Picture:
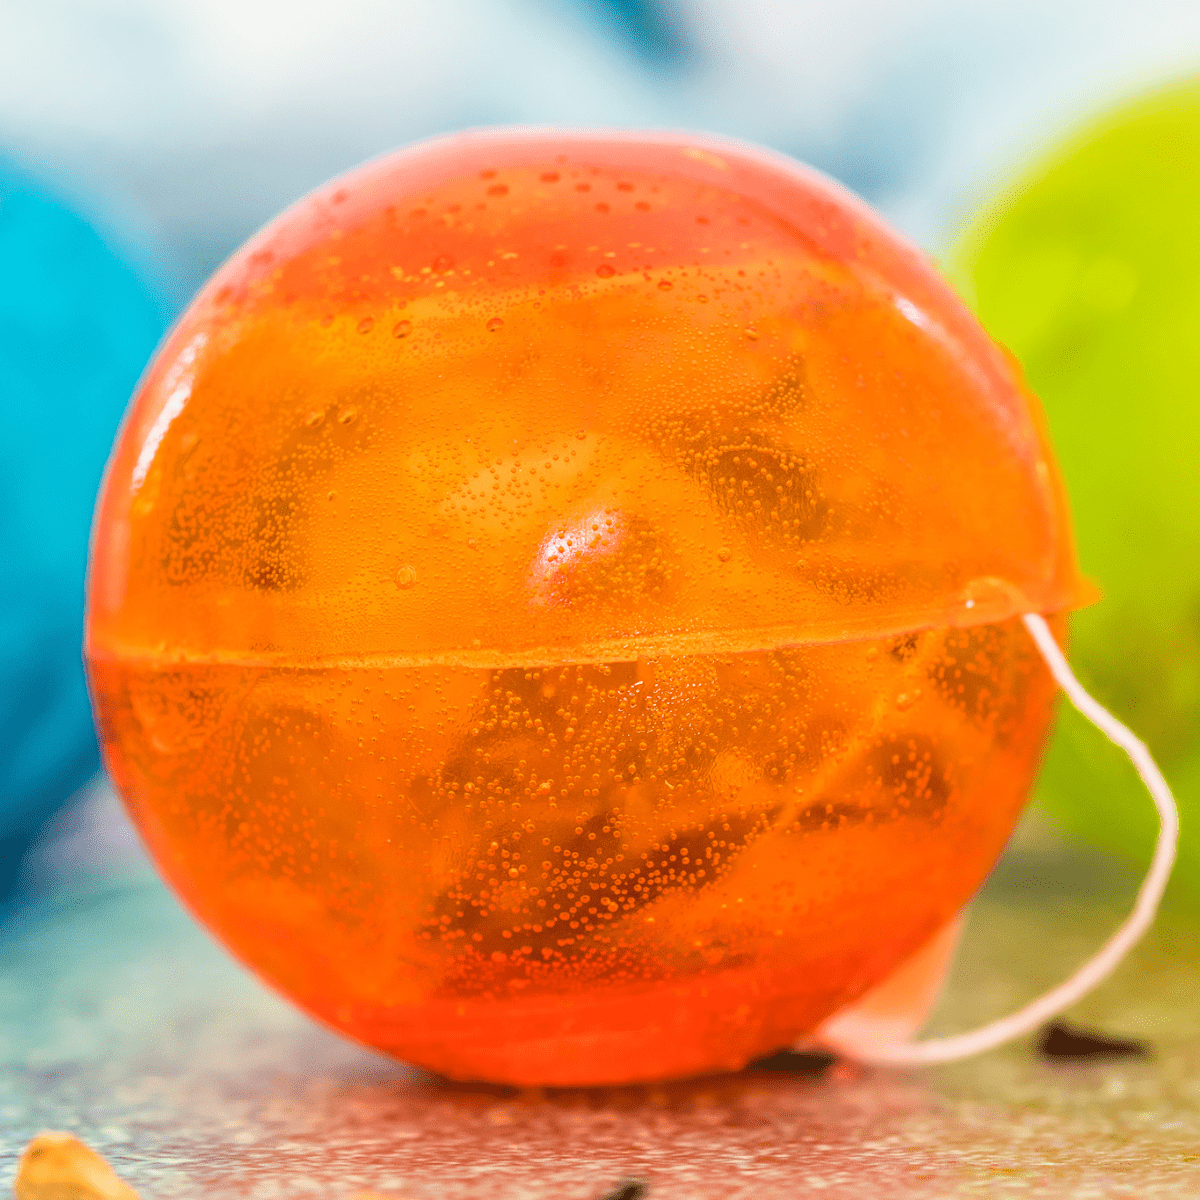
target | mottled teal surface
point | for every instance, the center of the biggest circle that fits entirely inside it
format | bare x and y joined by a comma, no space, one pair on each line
125,1025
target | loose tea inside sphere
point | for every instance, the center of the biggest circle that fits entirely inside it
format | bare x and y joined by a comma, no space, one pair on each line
555,604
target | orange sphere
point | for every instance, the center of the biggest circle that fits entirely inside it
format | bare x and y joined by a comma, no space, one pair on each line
553,604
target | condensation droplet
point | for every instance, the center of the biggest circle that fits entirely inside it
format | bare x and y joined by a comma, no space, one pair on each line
550,177
751,333
665,285
494,324
366,325
402,329
605,271
347,415
724,554
406,577
314,419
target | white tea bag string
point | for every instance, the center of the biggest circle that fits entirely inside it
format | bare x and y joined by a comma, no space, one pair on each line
1095,970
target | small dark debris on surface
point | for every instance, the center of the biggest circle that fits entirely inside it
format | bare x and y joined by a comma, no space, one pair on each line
627,1189
794,1062
1063,1041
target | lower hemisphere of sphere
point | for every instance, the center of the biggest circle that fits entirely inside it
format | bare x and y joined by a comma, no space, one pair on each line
538,874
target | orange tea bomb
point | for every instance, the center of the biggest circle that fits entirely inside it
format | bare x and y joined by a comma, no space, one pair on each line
555,604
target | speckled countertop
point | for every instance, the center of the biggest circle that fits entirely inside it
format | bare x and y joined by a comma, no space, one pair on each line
124,1024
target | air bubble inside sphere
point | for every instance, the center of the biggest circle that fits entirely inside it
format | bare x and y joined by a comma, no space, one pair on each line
1088,268
554,608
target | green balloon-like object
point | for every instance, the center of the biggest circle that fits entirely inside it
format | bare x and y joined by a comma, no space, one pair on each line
1088,270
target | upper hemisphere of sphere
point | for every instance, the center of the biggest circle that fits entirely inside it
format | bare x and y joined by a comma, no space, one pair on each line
788,426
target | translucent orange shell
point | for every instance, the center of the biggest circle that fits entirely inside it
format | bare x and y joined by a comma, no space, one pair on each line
552,604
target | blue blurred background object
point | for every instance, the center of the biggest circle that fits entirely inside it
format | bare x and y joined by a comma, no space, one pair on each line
77,324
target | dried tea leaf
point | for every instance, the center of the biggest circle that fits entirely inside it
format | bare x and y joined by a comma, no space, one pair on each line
1062,1040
